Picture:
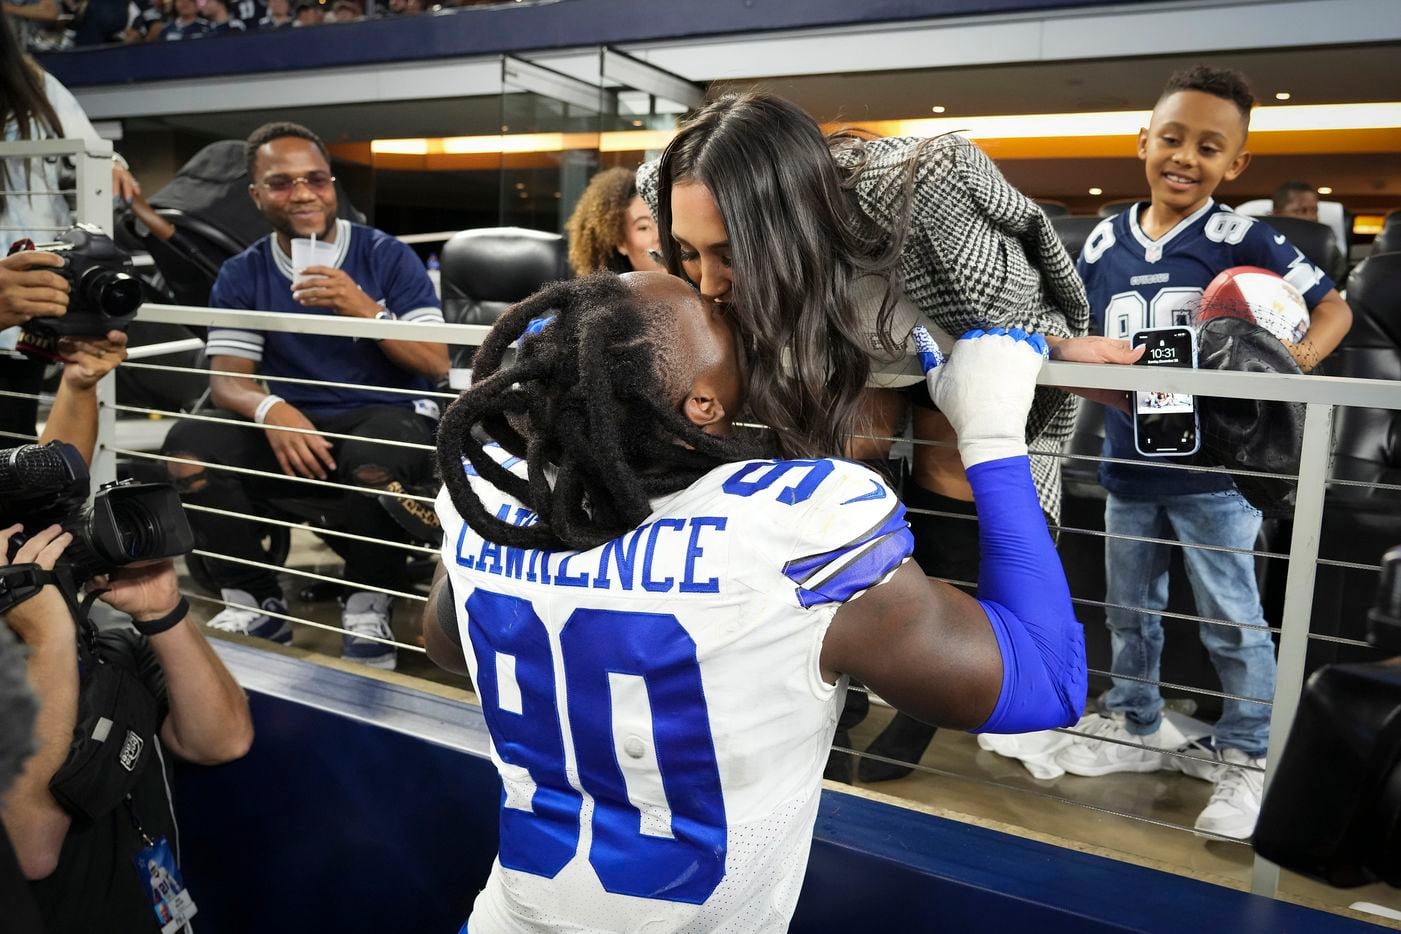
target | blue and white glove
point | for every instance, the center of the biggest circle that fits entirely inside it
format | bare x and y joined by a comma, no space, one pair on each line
984,388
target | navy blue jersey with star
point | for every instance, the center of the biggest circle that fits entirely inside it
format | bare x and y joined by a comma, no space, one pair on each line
1135,282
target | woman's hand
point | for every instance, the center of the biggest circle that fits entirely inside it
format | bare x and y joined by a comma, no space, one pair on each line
1091,349
124,184
1094,349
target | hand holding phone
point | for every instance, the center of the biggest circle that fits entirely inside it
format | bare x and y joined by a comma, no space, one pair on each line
1166,422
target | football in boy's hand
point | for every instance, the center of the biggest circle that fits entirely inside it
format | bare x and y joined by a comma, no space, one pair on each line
1260,296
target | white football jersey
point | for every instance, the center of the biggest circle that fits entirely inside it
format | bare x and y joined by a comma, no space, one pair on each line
656,706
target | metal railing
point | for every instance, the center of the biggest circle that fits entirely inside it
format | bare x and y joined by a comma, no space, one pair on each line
1320,395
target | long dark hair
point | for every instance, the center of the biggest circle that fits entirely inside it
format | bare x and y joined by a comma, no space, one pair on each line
22,97
585,404
798,240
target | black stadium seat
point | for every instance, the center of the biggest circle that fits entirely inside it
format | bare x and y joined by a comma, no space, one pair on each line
1052,208
1360,523
1389,240
1316,241
487,270
1110,208
1073,230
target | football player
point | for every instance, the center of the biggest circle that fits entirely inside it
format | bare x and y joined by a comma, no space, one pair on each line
660,624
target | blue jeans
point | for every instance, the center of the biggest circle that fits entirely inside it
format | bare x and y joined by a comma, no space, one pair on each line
1223,584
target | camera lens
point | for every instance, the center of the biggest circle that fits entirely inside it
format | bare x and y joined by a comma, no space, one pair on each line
114,294
139,534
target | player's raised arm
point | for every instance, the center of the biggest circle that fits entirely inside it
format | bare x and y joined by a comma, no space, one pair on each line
1012,660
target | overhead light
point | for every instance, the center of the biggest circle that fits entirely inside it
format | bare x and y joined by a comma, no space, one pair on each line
1096,191
1282,95
1124,124
514,142
938,108
634,140
1383,116
1324,190
400,147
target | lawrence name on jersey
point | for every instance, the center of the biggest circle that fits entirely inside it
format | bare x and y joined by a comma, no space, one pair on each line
656,705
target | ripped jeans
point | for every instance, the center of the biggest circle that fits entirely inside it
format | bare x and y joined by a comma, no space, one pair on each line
359,463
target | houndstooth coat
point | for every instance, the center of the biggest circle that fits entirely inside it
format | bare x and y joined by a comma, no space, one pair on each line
978,254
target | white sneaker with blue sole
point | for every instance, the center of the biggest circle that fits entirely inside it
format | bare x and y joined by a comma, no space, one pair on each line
366,621
244,620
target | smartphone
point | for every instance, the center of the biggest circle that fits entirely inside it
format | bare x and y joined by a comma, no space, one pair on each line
1166,422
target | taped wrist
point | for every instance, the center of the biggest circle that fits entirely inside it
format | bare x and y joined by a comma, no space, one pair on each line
1022,588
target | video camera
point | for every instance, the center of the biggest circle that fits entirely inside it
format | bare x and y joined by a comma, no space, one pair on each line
103,293
126,523
1333,808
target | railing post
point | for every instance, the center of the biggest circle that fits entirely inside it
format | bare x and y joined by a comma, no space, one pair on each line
94,183
1298,603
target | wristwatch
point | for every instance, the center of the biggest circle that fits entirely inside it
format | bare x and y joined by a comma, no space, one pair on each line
384,314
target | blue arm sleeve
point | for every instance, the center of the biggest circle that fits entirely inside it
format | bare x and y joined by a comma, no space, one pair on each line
1022,588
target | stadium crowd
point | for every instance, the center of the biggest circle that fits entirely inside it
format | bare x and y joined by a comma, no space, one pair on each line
57,25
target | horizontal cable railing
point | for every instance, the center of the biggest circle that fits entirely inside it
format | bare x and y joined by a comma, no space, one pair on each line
1319,394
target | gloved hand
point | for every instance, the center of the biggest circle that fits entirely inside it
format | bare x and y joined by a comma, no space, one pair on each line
984,388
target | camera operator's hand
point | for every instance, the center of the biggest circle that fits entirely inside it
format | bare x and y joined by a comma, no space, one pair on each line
298,454
144,593
87,360
30,289
33,620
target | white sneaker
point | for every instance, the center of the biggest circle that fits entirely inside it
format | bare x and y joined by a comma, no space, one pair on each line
249,622
368,614
1235,804
1087,755
1206,765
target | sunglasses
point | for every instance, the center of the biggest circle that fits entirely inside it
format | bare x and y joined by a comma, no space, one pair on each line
283,184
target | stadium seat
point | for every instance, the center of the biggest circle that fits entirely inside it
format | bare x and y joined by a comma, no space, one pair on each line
1316,241
1329,212
1389,240
1073,230
1360,523
485,271
1052,208
1110,208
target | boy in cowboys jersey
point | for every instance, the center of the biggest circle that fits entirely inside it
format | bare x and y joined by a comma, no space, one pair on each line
660,624
1146,268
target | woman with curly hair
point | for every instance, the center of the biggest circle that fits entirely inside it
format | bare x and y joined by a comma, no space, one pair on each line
611,227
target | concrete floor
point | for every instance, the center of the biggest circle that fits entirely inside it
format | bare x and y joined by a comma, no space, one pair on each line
1138,818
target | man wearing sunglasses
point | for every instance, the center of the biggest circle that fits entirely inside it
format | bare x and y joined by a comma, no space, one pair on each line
366,274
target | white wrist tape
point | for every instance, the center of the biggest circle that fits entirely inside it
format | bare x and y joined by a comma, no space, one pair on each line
985,389
265,406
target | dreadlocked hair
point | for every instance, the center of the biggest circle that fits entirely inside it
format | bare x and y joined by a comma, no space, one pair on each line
585,406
